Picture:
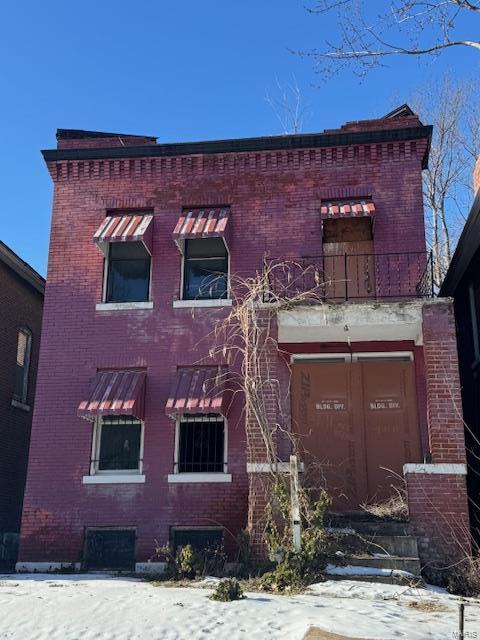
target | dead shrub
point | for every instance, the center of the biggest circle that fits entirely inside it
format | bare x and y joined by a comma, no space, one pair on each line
464,579
395,507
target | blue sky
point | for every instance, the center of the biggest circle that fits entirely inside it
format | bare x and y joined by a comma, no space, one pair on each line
185,70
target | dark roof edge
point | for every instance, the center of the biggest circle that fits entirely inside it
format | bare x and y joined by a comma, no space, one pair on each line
22,268
77,134
266,143
467,246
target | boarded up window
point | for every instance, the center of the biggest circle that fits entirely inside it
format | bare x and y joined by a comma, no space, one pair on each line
347,230
110,549
199,539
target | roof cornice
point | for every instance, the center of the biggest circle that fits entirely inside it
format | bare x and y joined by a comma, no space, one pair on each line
266,143
21,268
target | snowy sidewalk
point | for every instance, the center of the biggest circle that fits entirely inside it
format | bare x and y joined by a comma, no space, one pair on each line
88,607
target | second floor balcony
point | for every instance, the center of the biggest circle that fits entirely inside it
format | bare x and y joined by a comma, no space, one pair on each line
352,277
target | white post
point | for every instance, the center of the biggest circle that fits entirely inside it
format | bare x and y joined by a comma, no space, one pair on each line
297,540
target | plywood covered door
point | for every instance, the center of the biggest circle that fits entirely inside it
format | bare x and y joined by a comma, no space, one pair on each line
392,436
325,401
351,420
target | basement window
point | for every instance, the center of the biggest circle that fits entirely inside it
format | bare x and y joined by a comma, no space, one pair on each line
127,272
201,444
198,538
109,549
118,443
205,269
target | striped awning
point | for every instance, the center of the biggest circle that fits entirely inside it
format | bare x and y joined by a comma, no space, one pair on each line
204,223
128,228
199,390
115,393
347,209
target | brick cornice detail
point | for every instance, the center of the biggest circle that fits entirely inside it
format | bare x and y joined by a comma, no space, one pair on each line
240,163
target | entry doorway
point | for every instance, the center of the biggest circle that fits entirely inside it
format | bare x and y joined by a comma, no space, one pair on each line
356,422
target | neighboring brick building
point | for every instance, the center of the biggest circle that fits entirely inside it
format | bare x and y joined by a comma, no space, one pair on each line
462,282
21,303
146,242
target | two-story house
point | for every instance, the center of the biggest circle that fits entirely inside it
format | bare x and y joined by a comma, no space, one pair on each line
136,437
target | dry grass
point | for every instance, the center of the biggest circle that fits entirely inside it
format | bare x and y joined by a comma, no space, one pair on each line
395,507
427,606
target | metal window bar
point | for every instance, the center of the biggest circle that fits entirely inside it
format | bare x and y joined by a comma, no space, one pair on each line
124,461
201,444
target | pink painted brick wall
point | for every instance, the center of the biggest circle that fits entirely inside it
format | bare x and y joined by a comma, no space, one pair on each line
275,200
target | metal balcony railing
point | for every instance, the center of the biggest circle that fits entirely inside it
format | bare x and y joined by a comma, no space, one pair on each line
341,277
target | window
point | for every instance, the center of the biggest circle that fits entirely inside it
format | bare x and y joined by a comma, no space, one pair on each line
109,549
205,275
24,344
128,272
117,445
201,444
200,539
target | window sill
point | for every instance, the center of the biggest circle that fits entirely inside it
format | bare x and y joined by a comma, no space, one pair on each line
187,304
20,405
113,479
180,478
123,306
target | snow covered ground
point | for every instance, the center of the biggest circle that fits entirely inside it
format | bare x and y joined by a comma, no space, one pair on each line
87,607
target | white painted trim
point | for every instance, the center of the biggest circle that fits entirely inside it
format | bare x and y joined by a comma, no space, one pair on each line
353,357
442,468
217,302
267,467
45,567
123,306
378,355
150,567
295,357
20,405
198,478
114,479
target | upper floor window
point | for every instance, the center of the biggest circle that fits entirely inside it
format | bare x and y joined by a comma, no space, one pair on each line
205,274
24,345
128,272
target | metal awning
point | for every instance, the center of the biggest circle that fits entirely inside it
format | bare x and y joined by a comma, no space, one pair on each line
128,228
199,390
115,393
347,209
204,223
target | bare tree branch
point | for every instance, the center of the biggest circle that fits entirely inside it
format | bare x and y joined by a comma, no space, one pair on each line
427,28
451,107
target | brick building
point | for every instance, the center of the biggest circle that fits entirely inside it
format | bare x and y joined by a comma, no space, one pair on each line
21,303
462,282
136,437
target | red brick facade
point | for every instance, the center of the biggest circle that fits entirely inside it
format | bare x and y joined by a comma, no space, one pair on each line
20,307
274,195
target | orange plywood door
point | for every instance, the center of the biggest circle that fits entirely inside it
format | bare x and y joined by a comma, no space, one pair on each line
392,434
327,418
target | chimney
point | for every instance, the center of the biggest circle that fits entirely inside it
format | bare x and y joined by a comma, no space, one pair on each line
476,177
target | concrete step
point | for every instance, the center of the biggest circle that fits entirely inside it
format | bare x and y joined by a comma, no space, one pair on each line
404,546
395,579
409,564
366,524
